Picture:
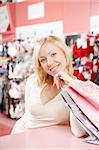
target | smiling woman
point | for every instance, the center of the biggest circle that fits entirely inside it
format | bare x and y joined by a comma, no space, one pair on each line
51,55
43,103
52,59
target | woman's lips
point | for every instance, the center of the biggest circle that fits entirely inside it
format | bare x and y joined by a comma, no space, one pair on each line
54,69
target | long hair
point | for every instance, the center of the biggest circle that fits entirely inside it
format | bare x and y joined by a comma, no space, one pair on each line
42,76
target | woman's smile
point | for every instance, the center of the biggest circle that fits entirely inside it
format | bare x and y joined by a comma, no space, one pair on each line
55,69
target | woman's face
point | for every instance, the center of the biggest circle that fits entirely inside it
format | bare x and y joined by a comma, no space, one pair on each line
52,59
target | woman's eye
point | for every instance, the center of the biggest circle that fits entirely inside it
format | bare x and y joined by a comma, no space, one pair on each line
43,60
53,54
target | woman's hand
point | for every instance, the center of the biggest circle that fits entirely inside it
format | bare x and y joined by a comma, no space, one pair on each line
62,78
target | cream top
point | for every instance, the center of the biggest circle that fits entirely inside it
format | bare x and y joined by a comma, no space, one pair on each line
38,114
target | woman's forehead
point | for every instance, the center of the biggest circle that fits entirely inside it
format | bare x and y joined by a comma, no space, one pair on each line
48,47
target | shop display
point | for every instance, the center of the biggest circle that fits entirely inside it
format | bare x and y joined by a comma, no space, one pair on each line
86,58
18,67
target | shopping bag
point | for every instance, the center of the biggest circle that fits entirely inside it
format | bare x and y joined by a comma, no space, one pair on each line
83,119
86,96
88,90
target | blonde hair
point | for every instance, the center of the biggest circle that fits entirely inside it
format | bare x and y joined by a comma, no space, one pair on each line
40,74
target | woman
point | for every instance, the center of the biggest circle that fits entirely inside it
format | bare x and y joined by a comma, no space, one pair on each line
43,103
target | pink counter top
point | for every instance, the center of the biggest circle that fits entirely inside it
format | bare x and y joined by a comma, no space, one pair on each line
49,138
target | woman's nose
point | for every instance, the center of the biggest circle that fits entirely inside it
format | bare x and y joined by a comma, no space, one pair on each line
49,61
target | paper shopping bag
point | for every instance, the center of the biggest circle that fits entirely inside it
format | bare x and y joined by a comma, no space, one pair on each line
85,94
83,119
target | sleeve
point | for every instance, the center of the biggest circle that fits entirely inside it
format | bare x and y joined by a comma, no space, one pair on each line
30,86
25,122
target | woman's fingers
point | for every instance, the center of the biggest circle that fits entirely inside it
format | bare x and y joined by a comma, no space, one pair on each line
56,81
61,79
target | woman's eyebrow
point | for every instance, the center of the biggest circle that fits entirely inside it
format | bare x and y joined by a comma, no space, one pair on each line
51,51
41,57
48,53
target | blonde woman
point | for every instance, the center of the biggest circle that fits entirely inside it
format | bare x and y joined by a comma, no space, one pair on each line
43,103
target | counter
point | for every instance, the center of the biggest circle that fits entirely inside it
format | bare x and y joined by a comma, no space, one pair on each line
49,138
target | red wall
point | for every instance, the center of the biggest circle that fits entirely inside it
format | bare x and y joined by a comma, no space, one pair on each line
74,13
53,12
